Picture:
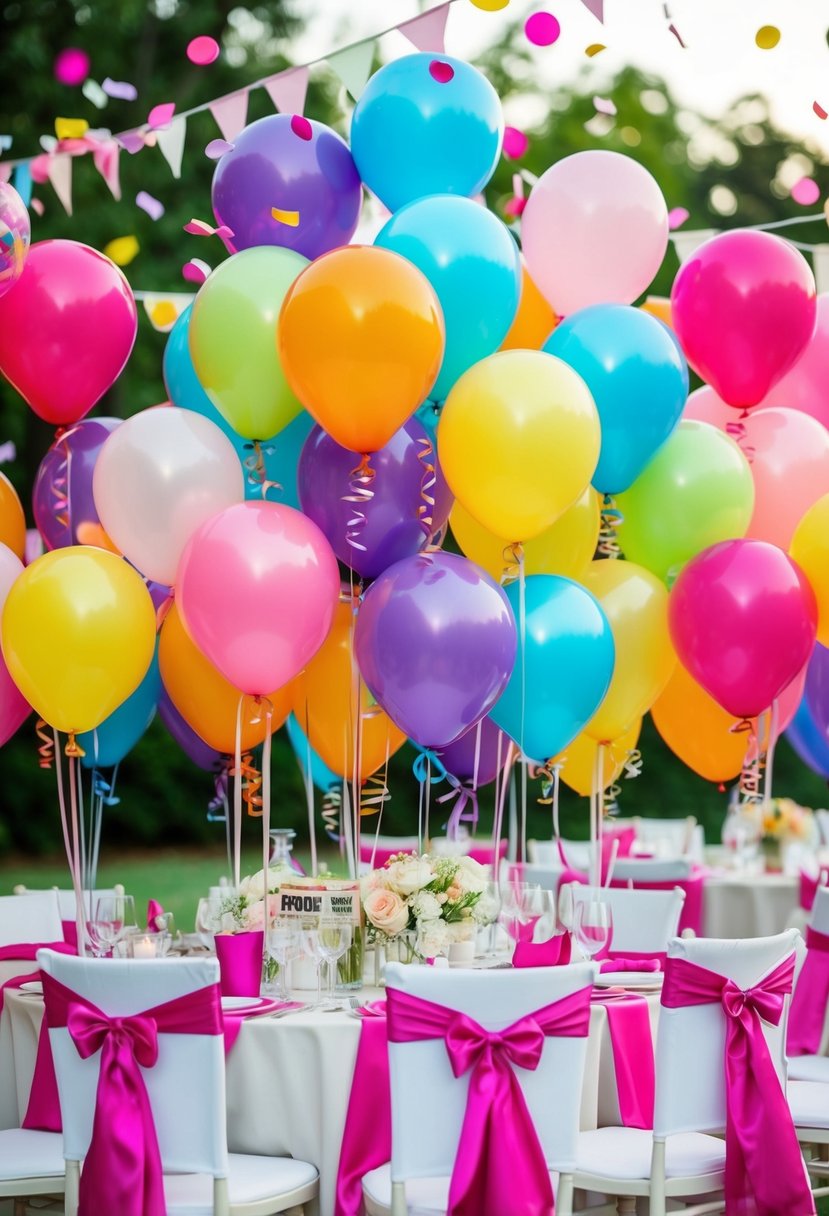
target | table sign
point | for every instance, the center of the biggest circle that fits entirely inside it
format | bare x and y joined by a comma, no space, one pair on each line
321,902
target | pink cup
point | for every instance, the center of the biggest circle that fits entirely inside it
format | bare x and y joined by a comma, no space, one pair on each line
240,962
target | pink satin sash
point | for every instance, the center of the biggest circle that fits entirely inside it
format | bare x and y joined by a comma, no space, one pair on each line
764,1171
499,1153
811,995
809,886
631,961
366,1142
122,1171
26,951
631,1041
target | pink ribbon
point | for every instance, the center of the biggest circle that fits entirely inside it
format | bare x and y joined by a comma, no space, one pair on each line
26,951
764,1171
631,961
809,886
631,1041
808,1009
366,1142
122,1171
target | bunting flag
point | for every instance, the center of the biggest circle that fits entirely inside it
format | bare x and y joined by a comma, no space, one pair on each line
171,143
231,114
107,161
164,308
596,7
6,173
288,90
353,66
428,31
60,175
688,242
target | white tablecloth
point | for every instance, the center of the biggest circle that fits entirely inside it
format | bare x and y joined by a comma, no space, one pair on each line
748,905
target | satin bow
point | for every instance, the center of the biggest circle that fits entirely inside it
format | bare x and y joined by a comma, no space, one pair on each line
811,996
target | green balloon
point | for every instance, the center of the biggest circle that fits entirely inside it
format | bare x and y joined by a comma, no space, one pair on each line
233,339
696,491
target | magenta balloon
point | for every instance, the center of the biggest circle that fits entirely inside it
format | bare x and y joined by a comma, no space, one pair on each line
387,526
806,386
296,165
743,620
743,307
14,708
62,497
459,757
15,234
435,642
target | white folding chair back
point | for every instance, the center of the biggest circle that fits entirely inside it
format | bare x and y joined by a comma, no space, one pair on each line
822,818
670,837
578,853
652,869
35,919
544,876
643,921
66,900
819,916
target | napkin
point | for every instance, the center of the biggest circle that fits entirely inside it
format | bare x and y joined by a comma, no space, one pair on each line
555,952
631,964
154,910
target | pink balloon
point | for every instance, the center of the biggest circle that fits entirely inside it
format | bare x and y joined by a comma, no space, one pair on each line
743,308
789,700
743,619
594,231
789,457
805,386
704,405
14,708
256,587
67,329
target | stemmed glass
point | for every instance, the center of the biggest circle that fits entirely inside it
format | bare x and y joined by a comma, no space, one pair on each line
522,906
310,946
333,941
593,925
114,919
283,945
208,921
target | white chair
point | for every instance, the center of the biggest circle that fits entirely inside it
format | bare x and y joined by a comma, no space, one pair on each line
822,817
36,919
652,869
428,1103
186,1089
66,899
669,837
578,853
680,1157
643,921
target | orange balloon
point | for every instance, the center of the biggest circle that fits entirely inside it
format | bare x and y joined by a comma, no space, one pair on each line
12,519
659,307
579,759
360,339
323,701
534,321
205,699
697,729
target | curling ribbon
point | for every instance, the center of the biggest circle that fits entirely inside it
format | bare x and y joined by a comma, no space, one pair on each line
255,467
332,801
426,509
750,775
549,774
60,482
466,797
737,431
374,793
73,749
513,557
102,789
46,748
218,803
612,519
251,780
360,494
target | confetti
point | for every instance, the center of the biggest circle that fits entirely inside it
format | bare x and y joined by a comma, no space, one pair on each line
217,148
289,218
200,228
203,50
515,206
122,90
806,192
515,143
767,37
604,105
677,217
440,71
93,92
163,314
490,6
152,206
131,141
71,66
595,48
162,115
542,29
37,206
48,143
673,30
195,271
301,127
71,128
122,250
819,110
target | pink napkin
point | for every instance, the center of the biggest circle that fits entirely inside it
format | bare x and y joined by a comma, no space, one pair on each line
555,952
632,964
154,909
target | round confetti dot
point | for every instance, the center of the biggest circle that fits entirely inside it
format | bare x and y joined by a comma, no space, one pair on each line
301,127
440,71
819,110
203,50
515,143
767,37
806,192
71,66
490,6
595,48
542,29
676,217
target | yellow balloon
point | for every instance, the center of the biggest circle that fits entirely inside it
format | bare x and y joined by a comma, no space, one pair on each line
564,548
635,603
518,441
810,549
580,759
78,635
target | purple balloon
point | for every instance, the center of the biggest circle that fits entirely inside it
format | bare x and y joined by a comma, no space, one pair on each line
187,739
816,689
391,528
62,500
459,757
294,164
435,642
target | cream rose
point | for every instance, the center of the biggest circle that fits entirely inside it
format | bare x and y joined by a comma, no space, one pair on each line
408,875
471,875
386,911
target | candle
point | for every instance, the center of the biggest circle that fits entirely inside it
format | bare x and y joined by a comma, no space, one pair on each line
143,948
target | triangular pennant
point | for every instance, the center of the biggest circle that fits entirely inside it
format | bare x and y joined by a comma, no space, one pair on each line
288,90
687,243
353,66
23,183
596,7
107,158
428,31
60,175
171,143
6,172
231,113
164,310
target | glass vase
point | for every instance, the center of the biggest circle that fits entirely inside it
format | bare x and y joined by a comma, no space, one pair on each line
350,966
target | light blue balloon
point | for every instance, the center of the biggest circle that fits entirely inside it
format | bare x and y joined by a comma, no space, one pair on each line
321,775
568,655
281,454
472,262
118,734
426,124
638,378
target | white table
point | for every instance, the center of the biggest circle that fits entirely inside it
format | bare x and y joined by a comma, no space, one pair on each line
737,904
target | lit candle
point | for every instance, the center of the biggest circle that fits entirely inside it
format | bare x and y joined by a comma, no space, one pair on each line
144,948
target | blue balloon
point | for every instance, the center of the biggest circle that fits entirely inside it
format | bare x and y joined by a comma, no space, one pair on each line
472,261
118,734
568,653
426,124
808,740
638,378
321,774
281,454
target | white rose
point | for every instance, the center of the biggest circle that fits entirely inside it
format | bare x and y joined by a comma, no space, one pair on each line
485,911
425,906
461,930
409,875
471,875
432,938
386,911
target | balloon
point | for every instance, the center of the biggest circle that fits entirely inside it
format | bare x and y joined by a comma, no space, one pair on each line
232,340
534,321
659,307
12,519
810,549
78,634
321,775
594,231
816,692
298,167
518,441
67,332
563,667
324,704
205,699
193,747
804,386
696,491
15,234
118,734
579,760
426,124
435,643
636,605
471,259
64,508
257,586
743,619
637,377
280,455
808,741
744,309
566,547
371,535
790,465
14,708
704,405
474,757
158,477
360,337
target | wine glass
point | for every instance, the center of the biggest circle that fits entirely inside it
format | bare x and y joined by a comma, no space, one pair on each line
310,946
522,906
208,921
283,944
593,925
114,918
333,941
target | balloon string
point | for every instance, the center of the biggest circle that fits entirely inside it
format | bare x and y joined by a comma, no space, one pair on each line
426,509
59,487
73,749
751,773
163,609
631,766
436,542
255,467
359,495
332,805
237,798
549,775
612,519
513,558
465,809
374,792
498,826
771,742
266,820
738,432
46,748
217,807
309,793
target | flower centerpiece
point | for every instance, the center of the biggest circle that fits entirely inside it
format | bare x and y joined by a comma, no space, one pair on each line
243,911
786,823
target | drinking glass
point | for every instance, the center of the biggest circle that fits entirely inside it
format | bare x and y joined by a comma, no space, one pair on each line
310,946
593,924
208,921
333,941
283,945
522,906
114,918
